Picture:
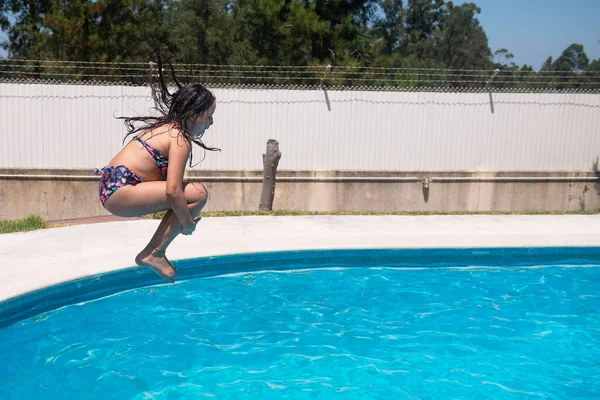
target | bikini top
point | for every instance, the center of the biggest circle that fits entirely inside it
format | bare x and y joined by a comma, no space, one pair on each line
161,161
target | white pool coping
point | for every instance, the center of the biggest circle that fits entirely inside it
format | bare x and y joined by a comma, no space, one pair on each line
34,260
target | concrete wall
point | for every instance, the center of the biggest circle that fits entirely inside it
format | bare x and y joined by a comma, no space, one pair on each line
58,195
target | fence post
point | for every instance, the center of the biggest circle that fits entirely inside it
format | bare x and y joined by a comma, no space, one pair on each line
270,162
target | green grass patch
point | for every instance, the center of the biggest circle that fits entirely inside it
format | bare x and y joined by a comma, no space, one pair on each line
279,213
31,223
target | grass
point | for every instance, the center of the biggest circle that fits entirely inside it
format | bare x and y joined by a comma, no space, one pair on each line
301,213
30,223
34,222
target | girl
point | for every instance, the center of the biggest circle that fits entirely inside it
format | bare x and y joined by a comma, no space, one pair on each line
136,182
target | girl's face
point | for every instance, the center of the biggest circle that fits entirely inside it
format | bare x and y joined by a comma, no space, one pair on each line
202,122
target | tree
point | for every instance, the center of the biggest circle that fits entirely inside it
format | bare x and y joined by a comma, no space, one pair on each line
401,36
502,55
547,66
71,30
463,43
347,31
27,33
422,27
389,27
594,66
4,22
573,59
572,63
201,31
132,30
276,33
422,17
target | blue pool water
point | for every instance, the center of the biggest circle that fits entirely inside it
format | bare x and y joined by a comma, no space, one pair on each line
354,333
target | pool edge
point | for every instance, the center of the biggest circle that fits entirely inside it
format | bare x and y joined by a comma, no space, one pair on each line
94,286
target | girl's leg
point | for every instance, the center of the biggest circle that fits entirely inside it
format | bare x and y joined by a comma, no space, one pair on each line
149,197
170,226
167,231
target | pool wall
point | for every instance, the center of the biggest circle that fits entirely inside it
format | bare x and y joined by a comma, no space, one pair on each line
99,285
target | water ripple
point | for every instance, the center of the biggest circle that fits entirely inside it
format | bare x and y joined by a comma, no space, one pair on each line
332,334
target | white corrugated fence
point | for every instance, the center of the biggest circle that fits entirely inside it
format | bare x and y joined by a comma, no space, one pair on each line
73,126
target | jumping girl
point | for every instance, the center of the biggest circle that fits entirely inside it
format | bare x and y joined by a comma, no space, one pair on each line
135,182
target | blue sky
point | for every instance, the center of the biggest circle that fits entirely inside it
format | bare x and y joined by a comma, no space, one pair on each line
533,30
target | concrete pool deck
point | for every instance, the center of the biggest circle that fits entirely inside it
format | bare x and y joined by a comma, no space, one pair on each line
33,260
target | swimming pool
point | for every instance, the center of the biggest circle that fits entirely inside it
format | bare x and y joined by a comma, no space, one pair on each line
343,324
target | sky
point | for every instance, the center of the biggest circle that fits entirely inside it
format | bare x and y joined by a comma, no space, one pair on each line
533,30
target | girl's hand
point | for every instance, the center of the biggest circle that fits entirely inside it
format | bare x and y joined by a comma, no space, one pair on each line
189,229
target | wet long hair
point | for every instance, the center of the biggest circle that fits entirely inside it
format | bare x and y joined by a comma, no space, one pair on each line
176,109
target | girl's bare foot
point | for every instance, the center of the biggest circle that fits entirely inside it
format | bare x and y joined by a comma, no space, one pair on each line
155,259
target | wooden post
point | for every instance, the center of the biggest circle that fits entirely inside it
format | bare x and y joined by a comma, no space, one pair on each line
270,162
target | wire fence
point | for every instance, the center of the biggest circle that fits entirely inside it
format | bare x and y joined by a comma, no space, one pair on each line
300,77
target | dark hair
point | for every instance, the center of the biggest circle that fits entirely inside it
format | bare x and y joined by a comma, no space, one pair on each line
188,101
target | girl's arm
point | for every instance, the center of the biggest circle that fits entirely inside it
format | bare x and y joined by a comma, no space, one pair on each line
179,151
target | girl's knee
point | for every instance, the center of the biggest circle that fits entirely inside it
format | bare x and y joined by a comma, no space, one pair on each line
196,193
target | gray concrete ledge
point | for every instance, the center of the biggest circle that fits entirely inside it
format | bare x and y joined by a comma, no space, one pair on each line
70,194
34,260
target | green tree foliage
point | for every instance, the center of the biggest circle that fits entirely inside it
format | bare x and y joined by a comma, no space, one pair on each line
422,18
594,66
395,36
547,66
4,22
200,31
388,26
463,43
573,59
273,32
28,32
572,69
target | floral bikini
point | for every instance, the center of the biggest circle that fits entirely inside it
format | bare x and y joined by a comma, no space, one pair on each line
113,178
